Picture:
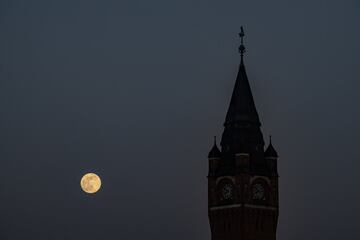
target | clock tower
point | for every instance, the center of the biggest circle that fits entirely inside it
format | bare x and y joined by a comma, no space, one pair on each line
243,195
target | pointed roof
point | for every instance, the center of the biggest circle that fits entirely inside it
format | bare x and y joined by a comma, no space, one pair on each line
242,107
214,152
270,151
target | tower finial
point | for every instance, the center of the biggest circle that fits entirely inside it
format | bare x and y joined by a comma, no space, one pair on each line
270,138
242,47
214,140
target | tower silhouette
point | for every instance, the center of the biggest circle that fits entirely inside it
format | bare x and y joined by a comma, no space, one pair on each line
243,202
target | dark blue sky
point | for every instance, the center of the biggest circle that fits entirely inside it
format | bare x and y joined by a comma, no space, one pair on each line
135,90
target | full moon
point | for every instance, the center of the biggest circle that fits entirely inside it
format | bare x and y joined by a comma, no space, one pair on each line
90,183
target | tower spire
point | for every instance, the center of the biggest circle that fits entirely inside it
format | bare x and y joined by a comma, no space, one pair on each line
242,47
242,107
242,115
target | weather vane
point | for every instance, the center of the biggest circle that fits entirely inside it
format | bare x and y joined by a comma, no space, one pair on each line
242,47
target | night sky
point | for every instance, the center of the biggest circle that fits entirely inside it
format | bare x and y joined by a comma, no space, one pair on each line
135,90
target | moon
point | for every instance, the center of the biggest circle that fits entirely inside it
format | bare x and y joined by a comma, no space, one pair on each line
90,183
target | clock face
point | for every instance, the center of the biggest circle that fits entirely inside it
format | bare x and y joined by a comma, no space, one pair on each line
227,191
258,192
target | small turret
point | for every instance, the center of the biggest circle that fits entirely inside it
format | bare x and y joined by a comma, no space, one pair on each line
214,159
214,152
270,151
271,157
